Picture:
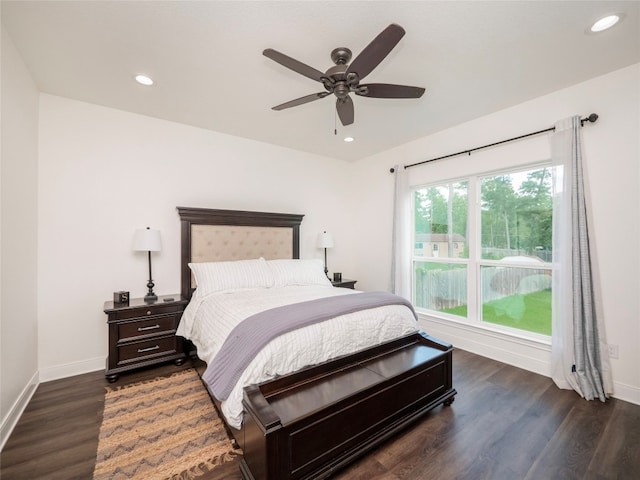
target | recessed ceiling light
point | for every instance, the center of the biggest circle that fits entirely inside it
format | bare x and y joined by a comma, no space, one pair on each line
605,22
144,80
349,139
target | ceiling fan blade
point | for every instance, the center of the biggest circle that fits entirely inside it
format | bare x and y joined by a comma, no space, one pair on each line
301,100
376,51
345,110
387,90
294,65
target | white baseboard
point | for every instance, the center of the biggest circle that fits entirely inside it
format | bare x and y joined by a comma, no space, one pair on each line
70,369
627,393
523,353
17,409
518,352
44,375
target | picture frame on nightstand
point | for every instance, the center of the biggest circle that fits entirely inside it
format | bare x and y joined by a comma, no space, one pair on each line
121,298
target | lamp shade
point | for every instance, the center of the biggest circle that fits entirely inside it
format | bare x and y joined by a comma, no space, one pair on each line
325,240
147,240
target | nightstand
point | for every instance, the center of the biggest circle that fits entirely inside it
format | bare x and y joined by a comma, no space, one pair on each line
344,283
143,334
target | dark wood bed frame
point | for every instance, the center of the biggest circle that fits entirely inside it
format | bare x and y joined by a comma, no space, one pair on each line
310,423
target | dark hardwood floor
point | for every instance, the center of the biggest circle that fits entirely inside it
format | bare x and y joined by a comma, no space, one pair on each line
505,423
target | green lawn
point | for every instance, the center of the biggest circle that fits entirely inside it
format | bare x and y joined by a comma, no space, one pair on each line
531,312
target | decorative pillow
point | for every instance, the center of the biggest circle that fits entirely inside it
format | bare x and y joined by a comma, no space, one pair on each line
298,272
212,277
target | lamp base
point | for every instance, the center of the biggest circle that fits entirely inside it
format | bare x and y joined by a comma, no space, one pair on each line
326,270
150,298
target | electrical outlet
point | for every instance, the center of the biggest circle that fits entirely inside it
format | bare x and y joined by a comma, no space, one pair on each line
613,350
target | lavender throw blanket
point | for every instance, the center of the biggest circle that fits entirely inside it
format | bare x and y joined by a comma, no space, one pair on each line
249,336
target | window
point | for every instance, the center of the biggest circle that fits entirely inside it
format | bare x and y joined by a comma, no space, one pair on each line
440,220
490,259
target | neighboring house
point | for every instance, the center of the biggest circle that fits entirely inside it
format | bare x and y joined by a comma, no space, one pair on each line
437,245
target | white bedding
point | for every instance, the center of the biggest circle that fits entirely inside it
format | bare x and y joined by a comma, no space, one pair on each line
208,319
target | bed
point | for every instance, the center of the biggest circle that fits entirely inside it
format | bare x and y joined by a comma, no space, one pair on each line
299,415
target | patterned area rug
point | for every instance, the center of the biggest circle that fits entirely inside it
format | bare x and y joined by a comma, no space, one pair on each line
165,428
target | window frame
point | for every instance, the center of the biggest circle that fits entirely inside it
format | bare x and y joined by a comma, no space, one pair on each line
474,262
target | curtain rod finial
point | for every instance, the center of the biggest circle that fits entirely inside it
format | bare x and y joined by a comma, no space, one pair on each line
391,170
591,119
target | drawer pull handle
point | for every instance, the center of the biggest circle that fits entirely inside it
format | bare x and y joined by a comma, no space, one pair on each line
148,312
152,327
142,350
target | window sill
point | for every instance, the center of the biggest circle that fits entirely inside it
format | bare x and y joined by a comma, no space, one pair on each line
533,340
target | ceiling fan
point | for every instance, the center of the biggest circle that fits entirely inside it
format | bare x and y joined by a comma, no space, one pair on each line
345,77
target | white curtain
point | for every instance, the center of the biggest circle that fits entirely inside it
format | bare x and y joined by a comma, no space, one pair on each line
578,345
401,241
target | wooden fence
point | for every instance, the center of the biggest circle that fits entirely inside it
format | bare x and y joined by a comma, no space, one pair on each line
447,288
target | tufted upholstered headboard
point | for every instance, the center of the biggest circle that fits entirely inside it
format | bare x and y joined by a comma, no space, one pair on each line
209,235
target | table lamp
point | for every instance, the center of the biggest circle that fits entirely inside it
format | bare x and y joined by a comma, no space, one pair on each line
325,240
147,240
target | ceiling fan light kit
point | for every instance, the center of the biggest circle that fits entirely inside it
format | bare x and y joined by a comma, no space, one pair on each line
344,78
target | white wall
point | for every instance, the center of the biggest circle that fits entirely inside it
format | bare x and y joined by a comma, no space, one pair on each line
18,284
104,172
612,154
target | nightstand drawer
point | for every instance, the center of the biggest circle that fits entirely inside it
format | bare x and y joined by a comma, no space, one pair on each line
139,351
146,311
146,327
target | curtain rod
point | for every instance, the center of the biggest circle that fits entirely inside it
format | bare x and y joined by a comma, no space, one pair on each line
591,118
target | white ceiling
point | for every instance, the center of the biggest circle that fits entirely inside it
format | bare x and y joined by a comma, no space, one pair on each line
473,58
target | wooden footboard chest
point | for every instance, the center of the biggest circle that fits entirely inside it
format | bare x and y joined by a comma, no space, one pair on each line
308,424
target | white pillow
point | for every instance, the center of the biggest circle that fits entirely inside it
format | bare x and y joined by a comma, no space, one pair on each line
212,277
298,272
